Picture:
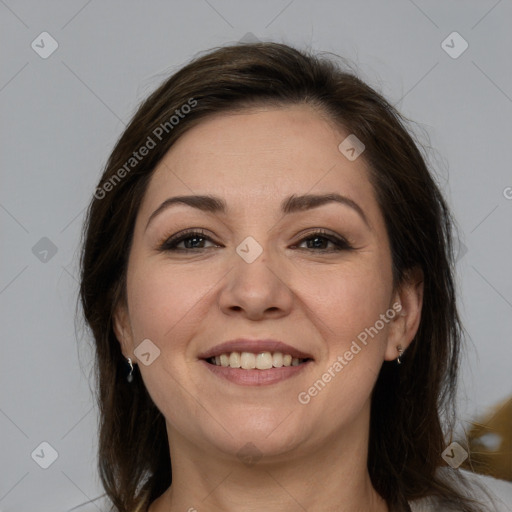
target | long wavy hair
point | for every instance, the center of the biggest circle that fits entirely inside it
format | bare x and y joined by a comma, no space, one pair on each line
410,427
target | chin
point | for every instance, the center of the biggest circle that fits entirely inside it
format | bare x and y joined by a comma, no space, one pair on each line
255,439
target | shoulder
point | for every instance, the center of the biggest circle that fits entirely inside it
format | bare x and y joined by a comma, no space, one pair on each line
500,491
495,495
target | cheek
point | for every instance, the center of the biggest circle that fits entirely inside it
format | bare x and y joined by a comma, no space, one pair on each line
345,301
346,308
162,302
165,305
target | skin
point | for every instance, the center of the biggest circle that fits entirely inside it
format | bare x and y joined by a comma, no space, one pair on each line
313,456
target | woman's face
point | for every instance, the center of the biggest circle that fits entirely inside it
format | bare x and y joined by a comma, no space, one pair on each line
260,270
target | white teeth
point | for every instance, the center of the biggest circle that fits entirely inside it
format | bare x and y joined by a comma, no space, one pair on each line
277,360
264,361
260,361
234,360
247,361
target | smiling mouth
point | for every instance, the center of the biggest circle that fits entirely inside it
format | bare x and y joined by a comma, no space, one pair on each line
255,361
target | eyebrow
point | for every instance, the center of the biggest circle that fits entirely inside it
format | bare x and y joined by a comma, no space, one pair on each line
292,204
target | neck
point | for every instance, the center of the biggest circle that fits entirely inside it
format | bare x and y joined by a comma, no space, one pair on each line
332,477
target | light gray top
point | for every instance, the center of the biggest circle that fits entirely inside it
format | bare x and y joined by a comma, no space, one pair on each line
495,495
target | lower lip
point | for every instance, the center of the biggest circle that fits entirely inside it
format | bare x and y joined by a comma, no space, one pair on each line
256,377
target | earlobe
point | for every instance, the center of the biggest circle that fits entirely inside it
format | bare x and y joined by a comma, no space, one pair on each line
405,325
121,326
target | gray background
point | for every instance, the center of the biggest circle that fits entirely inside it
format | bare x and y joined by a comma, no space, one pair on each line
61,116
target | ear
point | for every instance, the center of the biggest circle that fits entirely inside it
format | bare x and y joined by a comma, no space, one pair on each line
404,325
122,329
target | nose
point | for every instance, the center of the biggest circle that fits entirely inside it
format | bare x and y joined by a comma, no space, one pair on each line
258,289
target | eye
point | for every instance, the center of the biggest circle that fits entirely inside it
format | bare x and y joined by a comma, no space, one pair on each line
317,241
193,239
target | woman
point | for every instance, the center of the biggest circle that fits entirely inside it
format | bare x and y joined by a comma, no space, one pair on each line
267,271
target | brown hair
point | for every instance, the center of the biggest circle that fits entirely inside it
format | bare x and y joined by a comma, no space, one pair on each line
406,431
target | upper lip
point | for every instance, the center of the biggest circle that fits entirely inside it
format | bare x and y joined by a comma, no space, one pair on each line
254,346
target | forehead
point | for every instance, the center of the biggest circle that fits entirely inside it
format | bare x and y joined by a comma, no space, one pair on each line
260,155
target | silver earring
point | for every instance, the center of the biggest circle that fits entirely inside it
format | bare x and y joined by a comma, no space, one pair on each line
400,352
130,375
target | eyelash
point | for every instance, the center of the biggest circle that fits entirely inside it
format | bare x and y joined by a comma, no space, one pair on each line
170,244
